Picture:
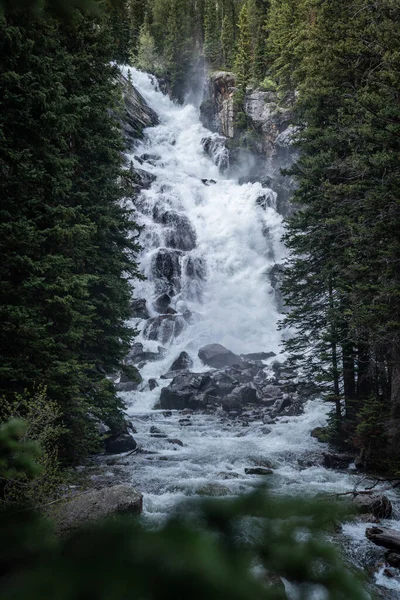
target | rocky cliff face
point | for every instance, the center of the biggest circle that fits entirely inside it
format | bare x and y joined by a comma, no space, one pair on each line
136,114
261,149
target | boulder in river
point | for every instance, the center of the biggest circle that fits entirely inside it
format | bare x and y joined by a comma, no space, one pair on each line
164,328
246,394
182,363
258,471
139,309
166,270
216,355
375,504
98,504
122,442
186,391
162,303
337,461
393,559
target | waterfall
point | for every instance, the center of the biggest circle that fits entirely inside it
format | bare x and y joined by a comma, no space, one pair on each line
208,242
208,245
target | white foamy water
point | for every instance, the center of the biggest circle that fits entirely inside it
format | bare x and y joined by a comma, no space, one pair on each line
217,269
237,241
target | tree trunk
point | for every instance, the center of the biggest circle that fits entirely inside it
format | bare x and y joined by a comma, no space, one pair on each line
349,383
394,423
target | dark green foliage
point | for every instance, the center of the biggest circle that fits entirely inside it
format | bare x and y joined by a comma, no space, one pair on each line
212,31
342,278
64,236
212,556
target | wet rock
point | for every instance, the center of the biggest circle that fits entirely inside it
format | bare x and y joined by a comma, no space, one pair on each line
167,413
171,311
143,178
214,146
231,404
258,355
137,115
137,355
175,441
337,461
393,559
224,382
152,384
368,518
225,475
208,181
267,200
139,309
320,433
213,489
216,355
98,504
186,391
166,270
179,233
258,471
270,391
162,303
262,462
164,328
123,442
182,363
195,268
185,422
246,394
375,504
154,429
130,379
282,404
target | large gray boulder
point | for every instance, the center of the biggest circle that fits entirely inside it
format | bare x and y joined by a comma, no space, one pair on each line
164,328
216,355
139,309
187,390
182,363
98,504
123,442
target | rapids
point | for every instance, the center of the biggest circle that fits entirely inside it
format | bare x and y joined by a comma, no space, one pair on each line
209,243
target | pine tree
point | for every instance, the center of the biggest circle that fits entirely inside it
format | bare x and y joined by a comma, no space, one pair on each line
227,42
343,278
212,47
243,59
64,235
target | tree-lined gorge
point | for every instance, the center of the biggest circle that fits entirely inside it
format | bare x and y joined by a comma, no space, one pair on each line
69,242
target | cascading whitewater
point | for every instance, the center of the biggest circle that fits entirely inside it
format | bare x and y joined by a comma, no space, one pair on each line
208,242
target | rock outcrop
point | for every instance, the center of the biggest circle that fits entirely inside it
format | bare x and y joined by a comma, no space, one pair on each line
137,115
98,504
216,355
265,147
